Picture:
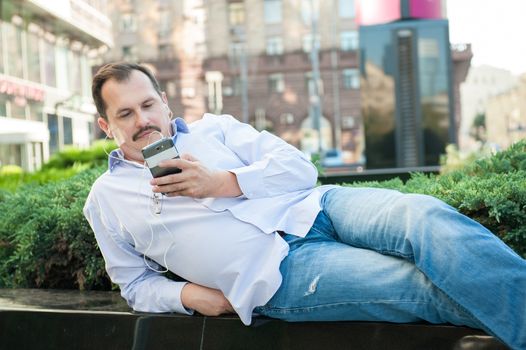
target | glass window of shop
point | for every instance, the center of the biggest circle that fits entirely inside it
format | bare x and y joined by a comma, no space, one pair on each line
49,64
33,57
13,37
52,125
2,49
36,111
10,154
3,103
63,72
18,107
68,130
86,76
75,76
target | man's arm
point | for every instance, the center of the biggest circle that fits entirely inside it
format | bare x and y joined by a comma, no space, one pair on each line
272,167
144,289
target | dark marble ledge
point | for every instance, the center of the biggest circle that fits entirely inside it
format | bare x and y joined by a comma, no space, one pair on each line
59,319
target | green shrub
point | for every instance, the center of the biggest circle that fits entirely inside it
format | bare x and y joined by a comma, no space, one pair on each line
62,165
93,156
45,240
11,170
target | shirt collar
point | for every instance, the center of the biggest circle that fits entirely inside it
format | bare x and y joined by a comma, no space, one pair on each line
116,156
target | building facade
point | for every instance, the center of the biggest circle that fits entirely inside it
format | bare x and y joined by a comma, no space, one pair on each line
481,85
47,49
506,116
254,59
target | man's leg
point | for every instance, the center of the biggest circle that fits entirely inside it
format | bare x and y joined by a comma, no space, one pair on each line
325,280
459,256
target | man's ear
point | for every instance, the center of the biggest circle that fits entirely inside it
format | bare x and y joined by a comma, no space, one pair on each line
105,126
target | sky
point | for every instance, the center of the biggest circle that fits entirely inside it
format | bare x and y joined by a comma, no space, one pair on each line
495,28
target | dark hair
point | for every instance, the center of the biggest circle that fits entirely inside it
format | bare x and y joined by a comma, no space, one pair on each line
120,71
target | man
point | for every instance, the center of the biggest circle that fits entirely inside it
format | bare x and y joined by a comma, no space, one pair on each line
245,226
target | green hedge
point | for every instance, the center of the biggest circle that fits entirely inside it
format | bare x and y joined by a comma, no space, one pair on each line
46,242
60,166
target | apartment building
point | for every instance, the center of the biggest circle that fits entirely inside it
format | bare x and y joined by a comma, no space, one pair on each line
252,59
47,49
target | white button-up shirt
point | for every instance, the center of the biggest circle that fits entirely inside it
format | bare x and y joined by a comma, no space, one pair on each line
228,244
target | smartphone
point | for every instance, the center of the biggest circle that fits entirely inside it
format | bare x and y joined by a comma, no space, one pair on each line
158,151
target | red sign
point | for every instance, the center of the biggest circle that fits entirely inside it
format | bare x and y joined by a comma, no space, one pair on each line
13,88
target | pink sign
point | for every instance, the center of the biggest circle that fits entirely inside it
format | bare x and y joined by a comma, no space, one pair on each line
370,12
425,8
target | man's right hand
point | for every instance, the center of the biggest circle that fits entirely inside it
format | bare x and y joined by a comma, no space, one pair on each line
206,301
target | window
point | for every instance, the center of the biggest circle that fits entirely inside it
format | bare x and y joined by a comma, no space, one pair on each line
307,42
351,79
274,46
63,72
1,48
236,49
236,13
33,57
165,51
13,36
272,11
237,86
346,8
10,154
129,53
276,83
86,76
49,62
18,107
75,76
36,111
165,23
348,122
128,22
52,125
3,108
349,40
68,130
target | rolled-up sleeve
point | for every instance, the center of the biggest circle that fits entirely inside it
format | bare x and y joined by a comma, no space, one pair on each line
273,166
144,290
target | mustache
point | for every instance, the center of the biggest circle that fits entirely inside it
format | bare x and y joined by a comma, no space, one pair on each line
146,128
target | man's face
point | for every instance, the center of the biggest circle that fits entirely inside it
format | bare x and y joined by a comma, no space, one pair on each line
136,114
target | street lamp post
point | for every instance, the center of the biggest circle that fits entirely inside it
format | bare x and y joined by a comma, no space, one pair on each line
314,57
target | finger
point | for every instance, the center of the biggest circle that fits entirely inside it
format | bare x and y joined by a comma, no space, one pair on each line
168,179
189,157
178,188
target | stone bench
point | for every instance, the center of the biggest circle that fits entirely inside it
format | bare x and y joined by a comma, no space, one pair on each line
54,319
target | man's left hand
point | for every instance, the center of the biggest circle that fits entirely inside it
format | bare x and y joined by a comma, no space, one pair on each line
195,180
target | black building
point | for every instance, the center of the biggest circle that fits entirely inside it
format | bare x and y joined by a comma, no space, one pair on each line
406,92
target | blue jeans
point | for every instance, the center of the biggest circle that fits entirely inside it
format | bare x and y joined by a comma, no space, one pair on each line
380,255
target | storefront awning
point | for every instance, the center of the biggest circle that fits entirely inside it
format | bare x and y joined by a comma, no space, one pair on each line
15,131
